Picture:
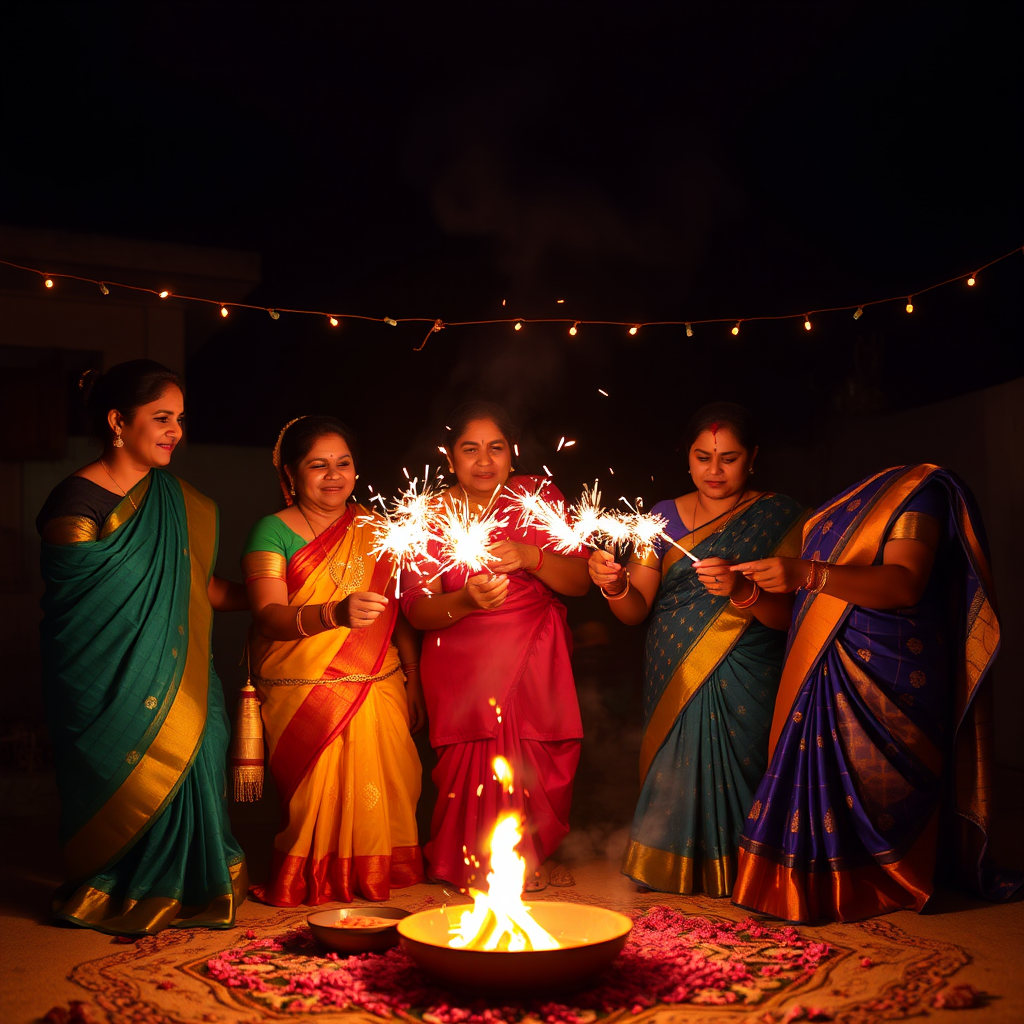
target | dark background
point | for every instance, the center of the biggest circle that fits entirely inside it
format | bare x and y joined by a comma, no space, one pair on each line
642,162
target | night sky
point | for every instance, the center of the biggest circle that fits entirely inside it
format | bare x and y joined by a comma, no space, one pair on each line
641,162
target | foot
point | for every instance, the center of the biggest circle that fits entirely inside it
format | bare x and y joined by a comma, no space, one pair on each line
561,876
537,881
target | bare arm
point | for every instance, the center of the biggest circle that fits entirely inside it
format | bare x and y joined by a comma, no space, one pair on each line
774,610
276,620
227,595
564,574
899,582
638,587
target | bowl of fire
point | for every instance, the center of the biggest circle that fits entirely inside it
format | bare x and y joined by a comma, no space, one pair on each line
589,939
357,929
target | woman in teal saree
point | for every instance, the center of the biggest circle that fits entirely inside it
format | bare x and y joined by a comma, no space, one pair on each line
713,657
135,708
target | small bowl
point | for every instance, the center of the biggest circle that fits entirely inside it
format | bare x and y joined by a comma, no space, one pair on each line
371,939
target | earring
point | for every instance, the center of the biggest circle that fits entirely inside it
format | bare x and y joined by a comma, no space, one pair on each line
292,490
118,443
751,469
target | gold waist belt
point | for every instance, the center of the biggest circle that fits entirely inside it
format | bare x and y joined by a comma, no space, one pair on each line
358,678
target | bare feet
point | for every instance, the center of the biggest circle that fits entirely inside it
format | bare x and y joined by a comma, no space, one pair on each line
561,876
537,881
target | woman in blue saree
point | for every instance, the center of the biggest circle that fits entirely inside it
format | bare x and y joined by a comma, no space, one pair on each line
712,659
881,734
135,708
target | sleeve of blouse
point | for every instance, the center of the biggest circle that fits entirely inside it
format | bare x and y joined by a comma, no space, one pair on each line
264,555
923,517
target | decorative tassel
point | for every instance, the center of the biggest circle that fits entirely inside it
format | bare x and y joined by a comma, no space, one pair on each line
246,755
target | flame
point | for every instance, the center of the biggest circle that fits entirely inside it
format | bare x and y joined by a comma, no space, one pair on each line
499,919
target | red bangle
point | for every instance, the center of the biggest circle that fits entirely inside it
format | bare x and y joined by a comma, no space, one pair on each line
755,594
540,560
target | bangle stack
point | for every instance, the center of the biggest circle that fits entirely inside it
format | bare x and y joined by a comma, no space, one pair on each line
754,595
412,665
540,561
298,620
616,597
817,577
327,619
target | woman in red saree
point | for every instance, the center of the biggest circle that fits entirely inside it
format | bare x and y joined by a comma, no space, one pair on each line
496,668
337,698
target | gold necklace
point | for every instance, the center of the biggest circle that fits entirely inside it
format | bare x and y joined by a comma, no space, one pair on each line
337,572
118,486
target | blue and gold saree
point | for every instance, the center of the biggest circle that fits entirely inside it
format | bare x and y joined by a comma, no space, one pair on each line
882,730
710,677
137,715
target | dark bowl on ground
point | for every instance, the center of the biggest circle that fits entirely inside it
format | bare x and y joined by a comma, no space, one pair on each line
369,939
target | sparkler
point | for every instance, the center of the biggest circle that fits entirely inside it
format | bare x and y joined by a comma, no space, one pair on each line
463,536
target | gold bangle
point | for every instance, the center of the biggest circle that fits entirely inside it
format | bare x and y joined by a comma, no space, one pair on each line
327,619
755,594
819,584
298,621
616,597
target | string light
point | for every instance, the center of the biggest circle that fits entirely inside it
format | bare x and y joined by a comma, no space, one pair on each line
807,321
274,315
49,282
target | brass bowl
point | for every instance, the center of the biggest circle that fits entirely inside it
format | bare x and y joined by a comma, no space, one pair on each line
356,940
593,938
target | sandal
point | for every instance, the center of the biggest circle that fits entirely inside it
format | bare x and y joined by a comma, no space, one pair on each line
537,881
561,876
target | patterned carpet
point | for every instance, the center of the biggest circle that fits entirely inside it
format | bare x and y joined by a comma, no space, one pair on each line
691,961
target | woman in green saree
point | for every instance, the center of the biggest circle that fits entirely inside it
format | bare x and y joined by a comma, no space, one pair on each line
713,657
135,708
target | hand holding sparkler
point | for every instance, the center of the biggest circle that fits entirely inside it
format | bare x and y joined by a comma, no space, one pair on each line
487,591
607,573
360,609
513,555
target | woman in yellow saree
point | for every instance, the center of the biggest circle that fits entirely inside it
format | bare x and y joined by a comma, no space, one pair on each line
337,699
136,710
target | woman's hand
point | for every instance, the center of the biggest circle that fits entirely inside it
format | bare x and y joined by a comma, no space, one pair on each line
487,591
360,609
414,699
605,572
776,575
510,555
715,575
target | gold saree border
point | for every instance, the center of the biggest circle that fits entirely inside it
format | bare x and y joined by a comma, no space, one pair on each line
706,652
102,912
669,872
158,773
822,613
66,530
126,508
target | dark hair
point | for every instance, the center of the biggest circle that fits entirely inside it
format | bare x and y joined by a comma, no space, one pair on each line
725,414
299,438
461,418
124,387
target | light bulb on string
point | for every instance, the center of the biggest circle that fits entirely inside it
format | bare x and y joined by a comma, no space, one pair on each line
333,321
858,313
223,310
971,280
689,330
910,303
48,282
390,321
634,329
518,326
807,321
164,294
104,290
736,328
274,315
573,329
